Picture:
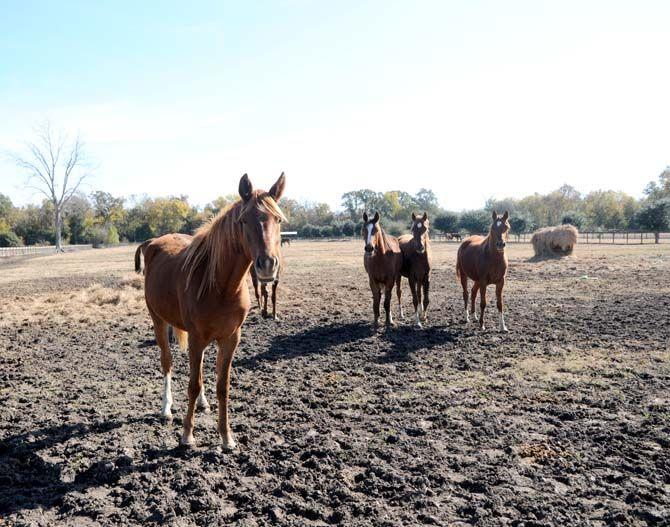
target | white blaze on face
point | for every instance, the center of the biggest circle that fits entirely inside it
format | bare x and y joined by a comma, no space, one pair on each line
498,223
419,225
368,241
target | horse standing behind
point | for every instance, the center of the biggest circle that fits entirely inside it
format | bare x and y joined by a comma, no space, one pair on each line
483,259
382,262
263,292
198,287
415,249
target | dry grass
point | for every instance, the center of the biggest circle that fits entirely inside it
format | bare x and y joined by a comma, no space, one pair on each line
555,241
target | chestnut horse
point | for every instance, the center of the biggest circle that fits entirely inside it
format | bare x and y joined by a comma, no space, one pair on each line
415,249
382,262
198,287
483,259
263,305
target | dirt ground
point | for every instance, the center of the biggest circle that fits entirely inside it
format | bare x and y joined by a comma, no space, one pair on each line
563,420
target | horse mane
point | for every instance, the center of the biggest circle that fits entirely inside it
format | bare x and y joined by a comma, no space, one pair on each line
220,239
386,246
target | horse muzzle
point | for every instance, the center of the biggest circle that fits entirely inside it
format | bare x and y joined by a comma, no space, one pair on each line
501,246
369,249
420,249
266,268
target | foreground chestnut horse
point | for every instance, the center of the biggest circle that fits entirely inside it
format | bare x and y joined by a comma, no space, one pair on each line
483,259
262,291
198,286
415,249
382,262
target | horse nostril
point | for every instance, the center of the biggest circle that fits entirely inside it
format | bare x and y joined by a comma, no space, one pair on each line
368,248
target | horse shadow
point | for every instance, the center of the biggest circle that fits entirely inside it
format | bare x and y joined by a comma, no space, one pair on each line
29,480
397,344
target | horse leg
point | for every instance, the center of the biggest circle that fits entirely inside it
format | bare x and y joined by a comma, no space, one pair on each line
224,360
419,301
499,304
426,300
264,292
415,300
201,402
196,347
376,298
254,281
388,293
398,291
275,284
482,305
161,332
473,298
464,285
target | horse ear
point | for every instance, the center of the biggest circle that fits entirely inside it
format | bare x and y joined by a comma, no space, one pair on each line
494,215
365,217
413,216
245,189
376,218
425,217
278,188
505,216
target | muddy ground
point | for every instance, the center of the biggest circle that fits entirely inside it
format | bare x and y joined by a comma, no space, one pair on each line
564,420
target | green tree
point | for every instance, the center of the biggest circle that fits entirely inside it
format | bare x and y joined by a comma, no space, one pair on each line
446,222
661,189
655,217
475,221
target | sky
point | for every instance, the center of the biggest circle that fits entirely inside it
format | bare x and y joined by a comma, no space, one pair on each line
472,99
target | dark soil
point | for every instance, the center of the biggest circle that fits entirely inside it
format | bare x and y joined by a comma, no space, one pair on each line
565,420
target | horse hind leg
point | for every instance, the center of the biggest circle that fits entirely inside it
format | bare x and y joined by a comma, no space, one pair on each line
398,291
196,348
162,339
388,293
464,285
275,285
413,286
181,337
426,300
500,305
473,298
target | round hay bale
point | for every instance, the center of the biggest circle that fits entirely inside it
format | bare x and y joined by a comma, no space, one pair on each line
555,241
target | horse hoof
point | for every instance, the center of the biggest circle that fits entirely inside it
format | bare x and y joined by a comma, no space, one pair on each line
205,409
504,329
228,444
187,441
166,414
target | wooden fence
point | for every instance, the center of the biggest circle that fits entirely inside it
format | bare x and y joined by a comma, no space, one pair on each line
6,252
616,238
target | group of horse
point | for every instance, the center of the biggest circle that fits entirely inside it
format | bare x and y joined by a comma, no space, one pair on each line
196,285
387,259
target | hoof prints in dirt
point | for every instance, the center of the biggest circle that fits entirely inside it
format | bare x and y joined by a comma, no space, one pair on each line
564,420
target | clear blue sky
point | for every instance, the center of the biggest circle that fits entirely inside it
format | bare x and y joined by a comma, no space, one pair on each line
472,99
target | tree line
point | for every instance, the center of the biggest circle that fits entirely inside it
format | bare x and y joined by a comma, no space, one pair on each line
100,218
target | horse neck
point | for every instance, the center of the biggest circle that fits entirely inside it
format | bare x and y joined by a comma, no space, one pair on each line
380,241
490,248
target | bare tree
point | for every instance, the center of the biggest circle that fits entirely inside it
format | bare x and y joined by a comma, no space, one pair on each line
56,169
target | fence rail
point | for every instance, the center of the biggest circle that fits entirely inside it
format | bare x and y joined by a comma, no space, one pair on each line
6,252
590,237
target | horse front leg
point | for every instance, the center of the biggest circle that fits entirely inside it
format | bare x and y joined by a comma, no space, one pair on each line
426,300
201,402
499,304
196,348
398,291
264,292
224,361
376,299
415,299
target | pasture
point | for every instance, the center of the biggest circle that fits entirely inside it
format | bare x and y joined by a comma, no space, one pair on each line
564,419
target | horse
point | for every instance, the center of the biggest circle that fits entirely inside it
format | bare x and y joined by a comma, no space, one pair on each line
382,261
455,236
197,287
415,250
483,259
264,292
285,240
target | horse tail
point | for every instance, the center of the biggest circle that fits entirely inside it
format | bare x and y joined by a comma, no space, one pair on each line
181,337
458,263
140,252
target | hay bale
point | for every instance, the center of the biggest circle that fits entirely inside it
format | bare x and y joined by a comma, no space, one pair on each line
555,241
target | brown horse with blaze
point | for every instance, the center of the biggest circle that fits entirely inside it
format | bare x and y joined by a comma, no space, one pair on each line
198,287
483,259
415,249
382,262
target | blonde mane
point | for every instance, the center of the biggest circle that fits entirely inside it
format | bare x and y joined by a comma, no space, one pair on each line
221,238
